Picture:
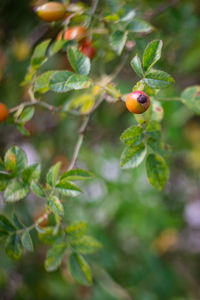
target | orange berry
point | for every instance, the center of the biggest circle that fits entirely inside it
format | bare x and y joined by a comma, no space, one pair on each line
51,11
137,102
4,112
87,48
73,33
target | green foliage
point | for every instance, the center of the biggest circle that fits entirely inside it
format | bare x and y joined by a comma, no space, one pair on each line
79,62
79,269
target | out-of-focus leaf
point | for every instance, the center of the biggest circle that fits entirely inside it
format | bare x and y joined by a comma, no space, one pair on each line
132,136
77,174
86,245
54,256
118,40
27,241
79,269
76,230
5,225
37,189
16,191
31,173
13,246
136,64
15,159
133,157
42,82
139,25
53,173
65,188
55,205
27,114
157,171
191,98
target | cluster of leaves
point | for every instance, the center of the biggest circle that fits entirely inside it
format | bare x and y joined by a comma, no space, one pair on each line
17,180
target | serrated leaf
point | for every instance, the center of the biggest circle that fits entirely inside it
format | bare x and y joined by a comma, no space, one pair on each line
139,25
31,173
86,245
15,159
53,173
132,136
76,230
39,53
152,54
157,171
77,174
158,79
37,189
54,256
153,129
191,98
118,40
80,63
79,269
66,188
136,64
55,205
64,81
27,114
16,191
13,246
5,225
42,82
27,241
133,157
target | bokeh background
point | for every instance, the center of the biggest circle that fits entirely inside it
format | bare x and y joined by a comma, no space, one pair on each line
151,239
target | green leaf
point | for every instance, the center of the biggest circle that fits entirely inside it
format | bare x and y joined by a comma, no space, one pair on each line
152,54
80,63
191,98
22,129
65,188
54,256
57,46
13,246
157,146
139,25
27,114
132,136
5,225
16,191
76,230
153,129
86,245
118,40
31,173
52,175
55,206
48,235
37,189
158,79
15,159
39,53
64,81
17,222
79,269
77,174
42,82
27,241
4,180
157,171
133,157
136,64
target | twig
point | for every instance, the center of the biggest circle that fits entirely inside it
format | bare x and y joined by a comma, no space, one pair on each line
82,130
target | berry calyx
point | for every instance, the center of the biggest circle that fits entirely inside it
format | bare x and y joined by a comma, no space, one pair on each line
4,112
87,48
137,102
73,33
51,11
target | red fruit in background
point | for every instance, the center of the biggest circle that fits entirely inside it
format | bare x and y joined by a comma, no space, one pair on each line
87,48
4,112
51,11
137,102
73,33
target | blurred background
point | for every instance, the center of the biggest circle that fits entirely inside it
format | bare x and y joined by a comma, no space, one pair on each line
151,239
